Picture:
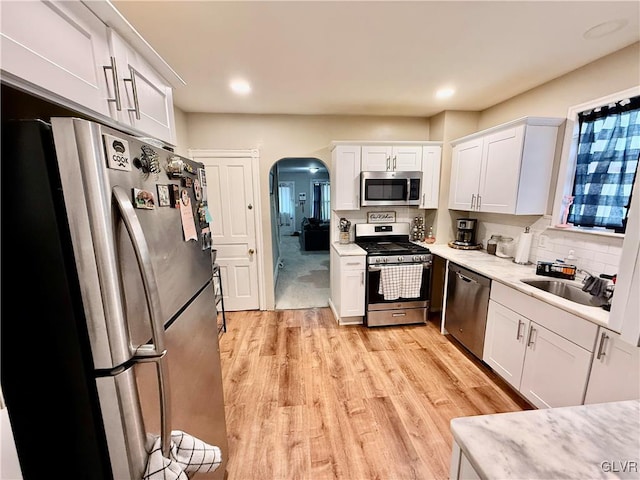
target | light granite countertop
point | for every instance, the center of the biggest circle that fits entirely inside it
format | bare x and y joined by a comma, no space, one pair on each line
507,272
581,442
348,249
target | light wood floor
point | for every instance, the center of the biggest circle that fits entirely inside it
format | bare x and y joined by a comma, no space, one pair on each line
308,399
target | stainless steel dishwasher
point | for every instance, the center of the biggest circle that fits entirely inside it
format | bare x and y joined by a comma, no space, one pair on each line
466,307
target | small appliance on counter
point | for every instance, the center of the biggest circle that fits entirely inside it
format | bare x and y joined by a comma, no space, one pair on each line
466,235
556,269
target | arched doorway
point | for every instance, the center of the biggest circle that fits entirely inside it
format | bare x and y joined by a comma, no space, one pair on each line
300,229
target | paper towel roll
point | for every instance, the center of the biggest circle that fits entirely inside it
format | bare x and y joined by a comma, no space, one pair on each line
524,246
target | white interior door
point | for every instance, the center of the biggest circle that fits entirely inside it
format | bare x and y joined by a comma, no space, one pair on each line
231,204
286,207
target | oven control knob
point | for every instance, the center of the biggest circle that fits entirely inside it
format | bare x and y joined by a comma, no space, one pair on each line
384,259
400,259
377,260
417,258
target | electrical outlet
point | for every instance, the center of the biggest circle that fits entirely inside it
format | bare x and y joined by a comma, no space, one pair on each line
543,241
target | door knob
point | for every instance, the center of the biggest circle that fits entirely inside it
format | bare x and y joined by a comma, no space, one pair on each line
251,251
250,207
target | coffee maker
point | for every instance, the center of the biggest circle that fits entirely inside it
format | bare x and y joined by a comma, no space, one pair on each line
465,233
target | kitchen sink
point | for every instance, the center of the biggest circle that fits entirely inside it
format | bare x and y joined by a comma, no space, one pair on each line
567,291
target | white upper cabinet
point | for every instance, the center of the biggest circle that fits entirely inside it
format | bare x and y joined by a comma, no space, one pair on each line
58,48
349,159
65,53
345,183
391,158
505,169
146,98
430,185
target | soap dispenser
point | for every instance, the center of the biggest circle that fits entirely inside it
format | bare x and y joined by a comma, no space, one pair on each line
570,259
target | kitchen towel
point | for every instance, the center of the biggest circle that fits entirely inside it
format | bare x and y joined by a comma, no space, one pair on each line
524,246
595,286
188,455
400,281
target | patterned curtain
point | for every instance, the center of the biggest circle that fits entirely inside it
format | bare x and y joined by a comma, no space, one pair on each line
317,202
326,202
608,151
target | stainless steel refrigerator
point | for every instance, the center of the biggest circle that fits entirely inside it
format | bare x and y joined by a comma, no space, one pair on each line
109,332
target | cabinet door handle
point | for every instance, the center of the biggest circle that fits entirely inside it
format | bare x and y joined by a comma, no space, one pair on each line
362,278
388,162
136,105
531,332
518,334
479,201
394,162
603,342
114,77
473,201
423,203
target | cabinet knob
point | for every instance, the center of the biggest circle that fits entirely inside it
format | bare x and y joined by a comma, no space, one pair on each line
251,251
250,207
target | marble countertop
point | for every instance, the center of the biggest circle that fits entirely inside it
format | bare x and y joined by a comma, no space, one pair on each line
586,441
503,270
348,249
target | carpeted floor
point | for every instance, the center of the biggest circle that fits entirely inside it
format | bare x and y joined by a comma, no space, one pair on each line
303,279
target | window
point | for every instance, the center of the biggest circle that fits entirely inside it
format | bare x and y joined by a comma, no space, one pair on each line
606,165
321,200
599,164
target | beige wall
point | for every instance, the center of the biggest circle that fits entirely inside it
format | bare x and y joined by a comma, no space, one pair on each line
181,132
613,73
281,136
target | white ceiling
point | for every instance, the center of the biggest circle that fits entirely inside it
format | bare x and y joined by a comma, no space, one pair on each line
372,58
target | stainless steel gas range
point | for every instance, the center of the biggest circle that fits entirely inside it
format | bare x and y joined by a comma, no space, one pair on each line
398,279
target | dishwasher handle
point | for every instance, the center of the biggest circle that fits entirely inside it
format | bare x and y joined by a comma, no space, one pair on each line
469,276
466,279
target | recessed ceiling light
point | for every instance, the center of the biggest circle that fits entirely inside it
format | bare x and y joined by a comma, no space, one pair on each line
241,87
445,92
604,29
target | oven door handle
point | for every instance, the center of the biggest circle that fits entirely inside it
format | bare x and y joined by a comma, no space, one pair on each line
425,266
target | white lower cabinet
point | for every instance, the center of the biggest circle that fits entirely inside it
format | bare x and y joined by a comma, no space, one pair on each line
555,370
504,344
615,372
347,287
461,468
542,351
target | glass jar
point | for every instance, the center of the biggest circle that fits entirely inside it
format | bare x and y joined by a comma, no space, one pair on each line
492,244
430,236
505,247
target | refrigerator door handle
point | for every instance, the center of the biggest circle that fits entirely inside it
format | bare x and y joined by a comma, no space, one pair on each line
156,351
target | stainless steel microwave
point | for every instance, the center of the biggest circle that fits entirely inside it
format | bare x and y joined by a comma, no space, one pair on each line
390,188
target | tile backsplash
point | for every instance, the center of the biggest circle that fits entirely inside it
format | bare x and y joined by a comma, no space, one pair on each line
594,253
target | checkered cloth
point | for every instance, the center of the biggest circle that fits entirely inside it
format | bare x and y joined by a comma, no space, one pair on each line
400,281
188,455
